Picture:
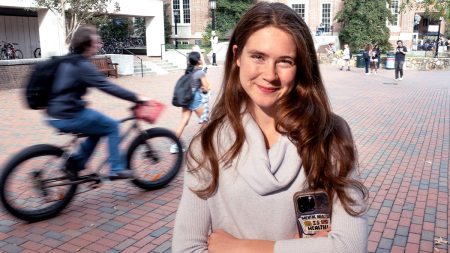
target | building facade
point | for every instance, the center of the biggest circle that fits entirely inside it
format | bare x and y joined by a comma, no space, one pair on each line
31,27
410,26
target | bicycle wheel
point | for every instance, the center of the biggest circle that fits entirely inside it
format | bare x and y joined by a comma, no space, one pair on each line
149,157
37,53
33,187
18,54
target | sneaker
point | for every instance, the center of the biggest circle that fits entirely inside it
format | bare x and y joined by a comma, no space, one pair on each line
401,78
123,174
396,79
174,149
367,74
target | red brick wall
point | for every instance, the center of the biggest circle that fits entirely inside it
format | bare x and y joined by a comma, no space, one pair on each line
14,76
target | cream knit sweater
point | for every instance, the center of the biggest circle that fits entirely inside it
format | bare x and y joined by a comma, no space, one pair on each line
254,200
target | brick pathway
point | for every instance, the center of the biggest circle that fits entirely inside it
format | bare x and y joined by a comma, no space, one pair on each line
402,133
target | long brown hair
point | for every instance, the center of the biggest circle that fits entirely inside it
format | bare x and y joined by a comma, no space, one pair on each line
323,140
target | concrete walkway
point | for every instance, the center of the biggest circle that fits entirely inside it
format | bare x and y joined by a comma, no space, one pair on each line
402,130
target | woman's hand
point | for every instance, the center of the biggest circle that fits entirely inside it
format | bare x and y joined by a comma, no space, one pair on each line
220,241
322,233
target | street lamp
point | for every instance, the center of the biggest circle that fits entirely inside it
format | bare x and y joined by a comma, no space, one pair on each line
176,14
213,6
438,37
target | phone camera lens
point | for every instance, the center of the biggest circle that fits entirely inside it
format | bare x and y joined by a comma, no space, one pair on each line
306,204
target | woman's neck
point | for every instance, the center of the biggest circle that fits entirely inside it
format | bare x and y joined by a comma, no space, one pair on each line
266,123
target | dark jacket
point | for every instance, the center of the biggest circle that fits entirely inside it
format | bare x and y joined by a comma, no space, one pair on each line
398,55
71,83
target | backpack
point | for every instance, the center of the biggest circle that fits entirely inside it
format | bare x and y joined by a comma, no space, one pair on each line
366,55
183,93
39,86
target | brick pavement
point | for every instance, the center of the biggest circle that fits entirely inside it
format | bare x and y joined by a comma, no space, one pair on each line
402,133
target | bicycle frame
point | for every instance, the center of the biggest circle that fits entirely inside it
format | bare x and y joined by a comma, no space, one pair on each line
70,146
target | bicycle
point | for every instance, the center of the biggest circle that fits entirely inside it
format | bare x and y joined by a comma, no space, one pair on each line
35,184
37,53
9,52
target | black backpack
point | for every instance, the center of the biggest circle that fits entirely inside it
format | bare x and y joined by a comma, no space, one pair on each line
39,86
183,93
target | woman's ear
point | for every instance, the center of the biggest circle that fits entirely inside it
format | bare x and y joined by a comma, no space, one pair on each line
238,62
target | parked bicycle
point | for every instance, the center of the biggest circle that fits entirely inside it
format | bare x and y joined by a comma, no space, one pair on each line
9,52
37,53
34,184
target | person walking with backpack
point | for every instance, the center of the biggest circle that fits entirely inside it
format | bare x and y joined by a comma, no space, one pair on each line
200,84
68,112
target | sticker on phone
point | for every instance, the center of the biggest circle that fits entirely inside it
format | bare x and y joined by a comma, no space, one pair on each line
314,223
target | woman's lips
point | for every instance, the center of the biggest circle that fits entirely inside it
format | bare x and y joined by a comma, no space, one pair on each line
267,90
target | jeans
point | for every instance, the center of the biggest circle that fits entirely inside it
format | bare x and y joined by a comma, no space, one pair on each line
366,65
96,125
398,69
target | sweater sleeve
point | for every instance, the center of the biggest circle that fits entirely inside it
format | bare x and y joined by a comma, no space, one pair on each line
192,222
93,78
348,234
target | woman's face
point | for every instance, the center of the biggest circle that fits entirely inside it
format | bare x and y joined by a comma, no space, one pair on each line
267,66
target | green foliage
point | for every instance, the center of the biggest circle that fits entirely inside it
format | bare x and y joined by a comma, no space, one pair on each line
139,27
227,14
365,22
434,9
76,12
114,28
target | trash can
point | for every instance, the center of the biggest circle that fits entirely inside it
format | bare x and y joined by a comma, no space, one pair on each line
390,61
360,61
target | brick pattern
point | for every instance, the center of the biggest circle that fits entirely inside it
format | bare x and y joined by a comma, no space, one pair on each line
401,131
13,76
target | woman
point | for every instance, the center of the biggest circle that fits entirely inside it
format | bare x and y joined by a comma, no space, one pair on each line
346,57
270,135
200,85
374,59
367,58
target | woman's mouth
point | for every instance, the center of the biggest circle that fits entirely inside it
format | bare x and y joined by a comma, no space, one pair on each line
267,90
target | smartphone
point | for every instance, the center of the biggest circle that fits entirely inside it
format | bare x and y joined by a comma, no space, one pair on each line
312,211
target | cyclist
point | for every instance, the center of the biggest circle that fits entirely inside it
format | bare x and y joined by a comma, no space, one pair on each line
67,109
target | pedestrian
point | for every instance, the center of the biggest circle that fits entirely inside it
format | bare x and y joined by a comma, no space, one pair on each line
346,56
214,42
271,134
200,85
367,58
400,52
68,111
374,55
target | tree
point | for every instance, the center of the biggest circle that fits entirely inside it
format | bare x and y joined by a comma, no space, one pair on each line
227,14
76,12
364,21
433,8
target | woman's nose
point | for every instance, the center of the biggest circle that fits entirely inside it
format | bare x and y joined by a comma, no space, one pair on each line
270,72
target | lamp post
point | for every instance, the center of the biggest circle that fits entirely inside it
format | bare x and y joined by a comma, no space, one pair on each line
438,37
176,14
213,6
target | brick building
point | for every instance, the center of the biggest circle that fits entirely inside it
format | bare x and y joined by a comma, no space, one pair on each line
409,26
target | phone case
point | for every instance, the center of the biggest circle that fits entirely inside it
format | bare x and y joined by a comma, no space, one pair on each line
312,211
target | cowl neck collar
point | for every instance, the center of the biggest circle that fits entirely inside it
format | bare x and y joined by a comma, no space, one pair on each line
266,171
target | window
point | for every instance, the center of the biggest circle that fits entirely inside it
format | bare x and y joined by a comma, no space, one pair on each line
183,10
394,10
300,9
186,12
326,16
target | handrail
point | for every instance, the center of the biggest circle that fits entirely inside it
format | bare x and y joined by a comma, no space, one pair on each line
142,67
171,49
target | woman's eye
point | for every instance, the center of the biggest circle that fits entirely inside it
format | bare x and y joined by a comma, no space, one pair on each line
287,62
257,57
